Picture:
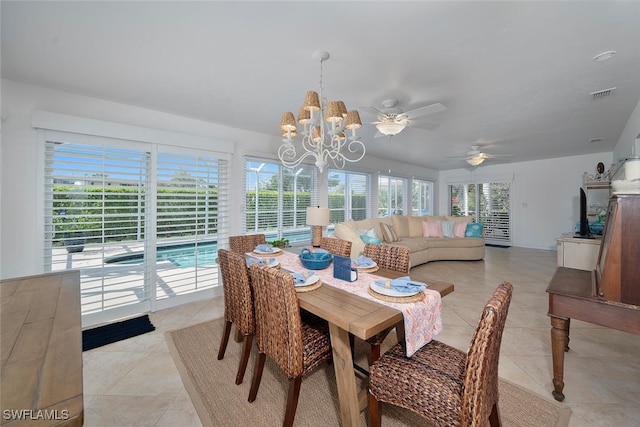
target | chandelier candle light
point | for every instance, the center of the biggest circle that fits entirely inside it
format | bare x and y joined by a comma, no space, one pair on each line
318,142
317,217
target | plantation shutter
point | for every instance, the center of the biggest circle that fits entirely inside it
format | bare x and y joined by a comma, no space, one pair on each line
191,211
349,196
95,197
276,199
489,203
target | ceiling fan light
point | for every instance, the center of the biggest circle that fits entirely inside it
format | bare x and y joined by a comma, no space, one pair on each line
311,101
288,122
353,120
390,128
476,160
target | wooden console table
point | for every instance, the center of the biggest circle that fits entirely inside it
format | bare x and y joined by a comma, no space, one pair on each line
571,297
41,350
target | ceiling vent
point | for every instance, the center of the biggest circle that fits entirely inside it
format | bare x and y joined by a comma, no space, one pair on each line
592,140
602,93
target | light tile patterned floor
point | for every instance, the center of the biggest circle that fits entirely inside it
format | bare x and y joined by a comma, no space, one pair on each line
135,382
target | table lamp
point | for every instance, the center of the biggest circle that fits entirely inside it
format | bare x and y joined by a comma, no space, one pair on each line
317,217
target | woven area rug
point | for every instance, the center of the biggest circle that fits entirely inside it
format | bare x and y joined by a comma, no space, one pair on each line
218,401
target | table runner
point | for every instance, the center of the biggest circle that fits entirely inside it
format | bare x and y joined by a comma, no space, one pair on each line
422,319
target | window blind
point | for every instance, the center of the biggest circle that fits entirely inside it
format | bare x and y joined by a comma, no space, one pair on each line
276,199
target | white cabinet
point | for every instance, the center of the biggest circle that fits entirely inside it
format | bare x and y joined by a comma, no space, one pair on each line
581,254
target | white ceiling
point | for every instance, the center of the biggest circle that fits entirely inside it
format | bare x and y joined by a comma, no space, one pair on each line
515,76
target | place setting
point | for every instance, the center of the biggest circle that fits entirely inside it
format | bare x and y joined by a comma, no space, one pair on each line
271,261
266,249
402,289
364,264
305,281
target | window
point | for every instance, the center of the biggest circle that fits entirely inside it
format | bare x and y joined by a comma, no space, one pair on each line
391,195
277,199
421,198
489,203
349,196
140,221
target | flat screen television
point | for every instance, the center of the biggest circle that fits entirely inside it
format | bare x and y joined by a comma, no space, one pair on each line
584,232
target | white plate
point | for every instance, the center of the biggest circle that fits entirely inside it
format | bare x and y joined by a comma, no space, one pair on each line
375,264
310,281
274,251
273,263
390,292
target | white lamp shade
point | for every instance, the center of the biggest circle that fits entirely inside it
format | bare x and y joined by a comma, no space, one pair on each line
390,128
317,215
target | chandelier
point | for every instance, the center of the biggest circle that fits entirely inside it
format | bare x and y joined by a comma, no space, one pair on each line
325,126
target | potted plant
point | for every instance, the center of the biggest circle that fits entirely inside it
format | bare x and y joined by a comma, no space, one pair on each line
74,241
280,243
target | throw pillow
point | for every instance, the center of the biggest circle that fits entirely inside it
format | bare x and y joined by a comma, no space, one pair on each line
370,236
415,226
447,228
459,229
388,233
400,225
431,229
474,229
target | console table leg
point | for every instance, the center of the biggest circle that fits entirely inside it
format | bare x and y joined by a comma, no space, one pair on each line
559,344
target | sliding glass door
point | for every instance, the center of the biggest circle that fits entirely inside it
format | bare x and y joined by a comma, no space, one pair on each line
140,221
489,203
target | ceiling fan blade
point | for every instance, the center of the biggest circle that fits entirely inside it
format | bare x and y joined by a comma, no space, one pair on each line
424,111
370,109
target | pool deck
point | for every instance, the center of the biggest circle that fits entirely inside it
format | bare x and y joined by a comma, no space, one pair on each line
112,285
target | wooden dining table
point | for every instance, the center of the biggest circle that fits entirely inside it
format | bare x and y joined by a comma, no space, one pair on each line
346,314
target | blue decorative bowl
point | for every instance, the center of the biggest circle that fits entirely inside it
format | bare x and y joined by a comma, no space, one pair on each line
315,260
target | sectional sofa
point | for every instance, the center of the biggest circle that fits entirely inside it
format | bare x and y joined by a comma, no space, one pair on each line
428,238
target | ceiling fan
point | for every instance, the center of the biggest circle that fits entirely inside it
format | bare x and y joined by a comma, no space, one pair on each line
475,156
392,120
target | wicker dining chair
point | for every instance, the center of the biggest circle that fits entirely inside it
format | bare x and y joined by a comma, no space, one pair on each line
447,386
247,243
296,346
336,246
394,258
238,305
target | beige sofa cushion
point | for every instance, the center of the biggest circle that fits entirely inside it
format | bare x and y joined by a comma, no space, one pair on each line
349,231
401,225
415,226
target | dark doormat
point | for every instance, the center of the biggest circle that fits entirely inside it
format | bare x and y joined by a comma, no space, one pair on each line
496,246
106,334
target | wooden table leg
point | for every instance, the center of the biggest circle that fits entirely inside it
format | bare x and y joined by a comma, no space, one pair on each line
559,344
345,378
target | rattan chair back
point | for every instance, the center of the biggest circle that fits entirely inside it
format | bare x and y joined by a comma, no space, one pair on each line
394,258
279,327
247,243
445,385
238,299
480,388
336,246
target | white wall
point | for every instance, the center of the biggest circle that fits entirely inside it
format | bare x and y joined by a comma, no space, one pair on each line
629,142
545,194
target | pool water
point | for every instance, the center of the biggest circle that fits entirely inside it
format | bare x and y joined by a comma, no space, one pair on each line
182,256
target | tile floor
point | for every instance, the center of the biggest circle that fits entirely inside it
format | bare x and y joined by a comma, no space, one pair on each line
135,382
